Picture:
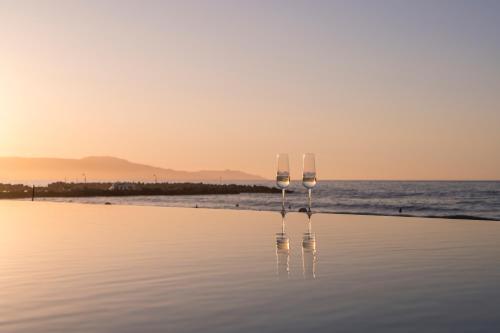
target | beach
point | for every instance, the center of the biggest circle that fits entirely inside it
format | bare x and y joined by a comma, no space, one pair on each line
95,268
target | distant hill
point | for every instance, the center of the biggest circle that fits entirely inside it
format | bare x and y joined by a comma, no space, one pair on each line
103,168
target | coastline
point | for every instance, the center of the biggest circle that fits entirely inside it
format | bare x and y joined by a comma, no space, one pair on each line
68,200
455,200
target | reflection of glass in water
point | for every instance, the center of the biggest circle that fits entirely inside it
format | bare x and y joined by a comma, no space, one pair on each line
282,251
282,256
309,254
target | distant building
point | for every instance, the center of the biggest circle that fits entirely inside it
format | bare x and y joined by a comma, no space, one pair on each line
124,187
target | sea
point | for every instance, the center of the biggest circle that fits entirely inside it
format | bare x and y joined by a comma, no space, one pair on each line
440,199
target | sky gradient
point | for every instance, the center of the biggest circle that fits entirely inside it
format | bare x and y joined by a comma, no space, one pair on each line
377,89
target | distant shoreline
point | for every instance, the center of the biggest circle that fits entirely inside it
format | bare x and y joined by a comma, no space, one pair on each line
83,190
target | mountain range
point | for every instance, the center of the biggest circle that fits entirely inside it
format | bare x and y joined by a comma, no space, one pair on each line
103,168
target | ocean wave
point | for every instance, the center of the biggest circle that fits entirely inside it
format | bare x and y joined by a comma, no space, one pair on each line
451,200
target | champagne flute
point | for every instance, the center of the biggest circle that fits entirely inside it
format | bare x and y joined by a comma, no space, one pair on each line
309,174
283,175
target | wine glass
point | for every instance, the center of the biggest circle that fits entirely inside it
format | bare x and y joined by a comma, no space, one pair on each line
309,174
283,175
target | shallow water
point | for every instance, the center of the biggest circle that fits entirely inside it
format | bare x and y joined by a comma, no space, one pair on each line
96,268
447,199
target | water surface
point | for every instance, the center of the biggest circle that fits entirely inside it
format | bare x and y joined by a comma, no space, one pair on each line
96,268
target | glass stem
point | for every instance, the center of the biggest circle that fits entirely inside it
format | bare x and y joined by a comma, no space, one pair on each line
283,202
310,200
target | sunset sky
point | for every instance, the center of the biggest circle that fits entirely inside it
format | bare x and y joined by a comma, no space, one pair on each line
377,89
